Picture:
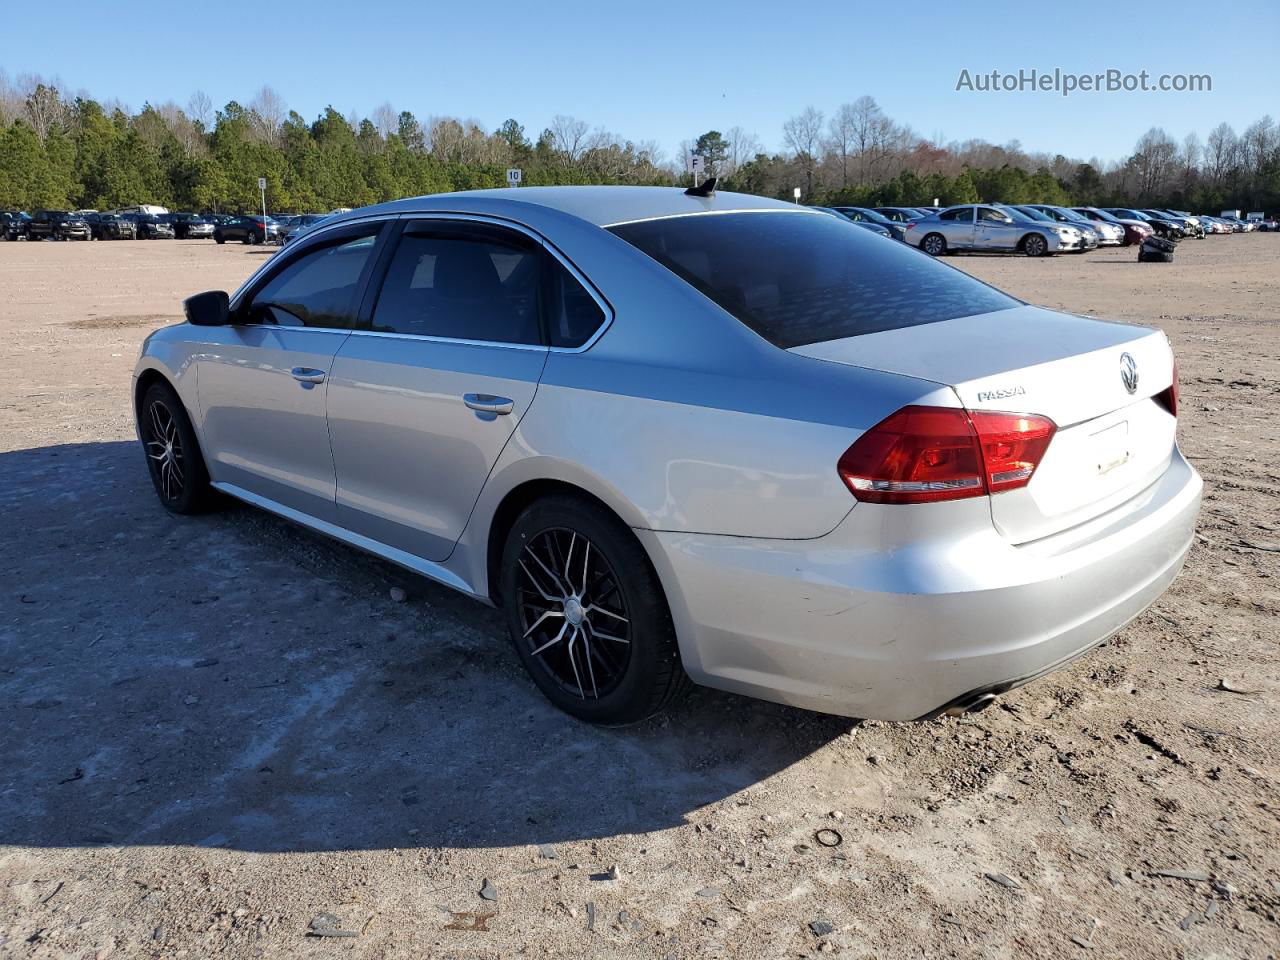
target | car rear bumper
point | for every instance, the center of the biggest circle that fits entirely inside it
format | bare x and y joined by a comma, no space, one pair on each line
894,616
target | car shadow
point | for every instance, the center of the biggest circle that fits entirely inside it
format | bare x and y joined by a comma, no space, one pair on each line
234,680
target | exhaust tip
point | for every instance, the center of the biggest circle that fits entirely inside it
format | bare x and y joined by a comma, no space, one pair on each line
975,705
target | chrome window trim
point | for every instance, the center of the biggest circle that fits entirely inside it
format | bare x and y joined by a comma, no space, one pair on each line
253,277
491,220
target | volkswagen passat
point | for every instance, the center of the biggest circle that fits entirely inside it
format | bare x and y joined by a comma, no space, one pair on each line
990,229
707,437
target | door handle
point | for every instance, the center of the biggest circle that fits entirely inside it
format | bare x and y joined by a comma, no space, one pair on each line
488,403
307,375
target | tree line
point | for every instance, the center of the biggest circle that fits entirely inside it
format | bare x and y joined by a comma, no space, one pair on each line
63,150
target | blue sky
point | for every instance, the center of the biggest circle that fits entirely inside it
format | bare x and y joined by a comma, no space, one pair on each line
677,70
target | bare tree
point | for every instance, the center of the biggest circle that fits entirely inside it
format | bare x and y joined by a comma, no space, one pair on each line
11,101
386,119
269,111
43,105
1154,159
841,140
743,147
1221,153
568,138
803,134
200,108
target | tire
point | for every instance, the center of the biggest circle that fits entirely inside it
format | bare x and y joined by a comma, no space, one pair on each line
635,671
219,238
172,452
1034,245
934,244
251,238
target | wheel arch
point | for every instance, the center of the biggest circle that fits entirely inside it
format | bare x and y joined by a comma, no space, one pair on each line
510,506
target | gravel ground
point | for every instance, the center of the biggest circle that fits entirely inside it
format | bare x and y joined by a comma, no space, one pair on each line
224,736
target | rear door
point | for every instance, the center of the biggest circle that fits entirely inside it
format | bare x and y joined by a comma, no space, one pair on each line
423,399
957,225
995,230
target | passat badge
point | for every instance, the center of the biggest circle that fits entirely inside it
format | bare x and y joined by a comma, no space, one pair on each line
1129,372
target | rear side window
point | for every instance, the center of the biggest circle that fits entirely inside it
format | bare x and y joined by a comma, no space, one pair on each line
447,283
798,278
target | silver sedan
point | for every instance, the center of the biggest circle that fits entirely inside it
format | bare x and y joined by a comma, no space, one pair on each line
676,437
988,228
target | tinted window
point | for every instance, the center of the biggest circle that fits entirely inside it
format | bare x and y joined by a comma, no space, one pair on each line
962,214
991,216
319,288
447,282
574,316
796,278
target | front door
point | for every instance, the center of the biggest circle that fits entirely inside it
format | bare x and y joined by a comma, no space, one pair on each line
263,379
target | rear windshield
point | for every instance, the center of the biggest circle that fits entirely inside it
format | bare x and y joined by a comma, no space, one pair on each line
798,278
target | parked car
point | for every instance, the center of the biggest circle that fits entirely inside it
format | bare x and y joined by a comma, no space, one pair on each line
1191,225
901,214
111,226
1107,234
149,226
13,225
1090,238
757,450
864,224
1184,226
188,226
1135,231
252,229
1163,227
864,215
301,224
1213,225
57,225
984,227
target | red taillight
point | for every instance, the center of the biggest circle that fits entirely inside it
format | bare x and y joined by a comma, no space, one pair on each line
927,454
911,225
1168,397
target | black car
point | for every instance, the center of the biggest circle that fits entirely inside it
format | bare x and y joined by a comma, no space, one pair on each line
254,229
110,226
149,226
13,224
188,226
863,214
57,225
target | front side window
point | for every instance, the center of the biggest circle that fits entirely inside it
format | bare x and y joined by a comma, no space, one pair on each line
317,289
462,284
987,215
797,278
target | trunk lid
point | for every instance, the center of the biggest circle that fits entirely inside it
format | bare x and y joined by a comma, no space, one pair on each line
1110,443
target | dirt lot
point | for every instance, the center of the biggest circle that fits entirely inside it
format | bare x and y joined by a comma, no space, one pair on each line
220,728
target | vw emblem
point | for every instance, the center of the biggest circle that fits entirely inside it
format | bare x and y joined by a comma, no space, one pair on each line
1129,372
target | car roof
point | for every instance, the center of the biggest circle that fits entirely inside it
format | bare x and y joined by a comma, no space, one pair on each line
602,206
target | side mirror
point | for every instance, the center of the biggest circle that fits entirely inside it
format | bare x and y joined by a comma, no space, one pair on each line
210,309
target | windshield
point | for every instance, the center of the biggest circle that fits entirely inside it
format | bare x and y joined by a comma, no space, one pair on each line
797,278
1035,214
